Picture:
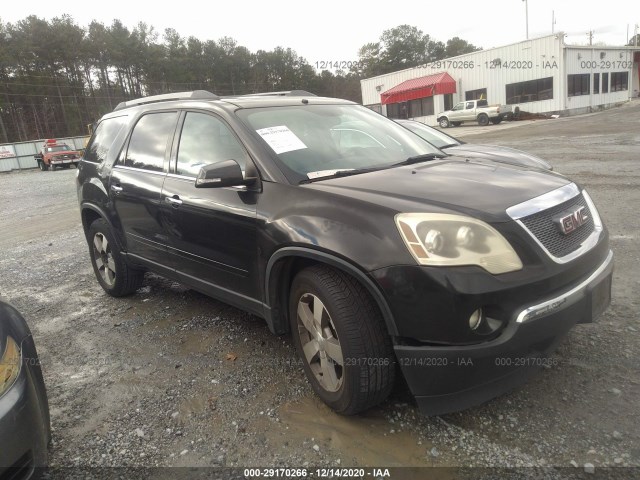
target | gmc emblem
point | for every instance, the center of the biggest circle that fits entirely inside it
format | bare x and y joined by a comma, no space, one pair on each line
569,222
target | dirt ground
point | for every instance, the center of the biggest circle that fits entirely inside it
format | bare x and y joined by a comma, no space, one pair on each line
169,377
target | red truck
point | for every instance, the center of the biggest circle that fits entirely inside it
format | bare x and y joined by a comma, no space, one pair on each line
54,154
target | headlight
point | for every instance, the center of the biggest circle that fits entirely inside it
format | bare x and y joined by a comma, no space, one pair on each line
9,365
439,239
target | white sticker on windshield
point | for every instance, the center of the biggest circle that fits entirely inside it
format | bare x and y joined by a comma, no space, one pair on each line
326,173
281,139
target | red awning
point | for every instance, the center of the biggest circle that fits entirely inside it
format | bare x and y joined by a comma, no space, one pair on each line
436,84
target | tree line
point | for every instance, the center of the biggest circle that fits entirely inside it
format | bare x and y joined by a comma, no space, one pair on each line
56,76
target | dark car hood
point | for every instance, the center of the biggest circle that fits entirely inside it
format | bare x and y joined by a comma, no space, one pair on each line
498,154
481,188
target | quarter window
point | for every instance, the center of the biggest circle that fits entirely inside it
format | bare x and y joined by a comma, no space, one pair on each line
149,139
205,140
104,136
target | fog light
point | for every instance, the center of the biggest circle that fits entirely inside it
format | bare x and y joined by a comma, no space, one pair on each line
475,319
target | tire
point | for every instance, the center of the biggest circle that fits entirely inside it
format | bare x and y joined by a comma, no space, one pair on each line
456,124
115,276
52,167
496,121
483,119
443,122
353,368
43,166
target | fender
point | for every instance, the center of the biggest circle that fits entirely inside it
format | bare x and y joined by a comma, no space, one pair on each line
102,214
335,262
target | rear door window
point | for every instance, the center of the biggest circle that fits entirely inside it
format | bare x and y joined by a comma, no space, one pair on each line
149,140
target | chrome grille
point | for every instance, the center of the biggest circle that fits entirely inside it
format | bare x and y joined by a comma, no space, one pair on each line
543,228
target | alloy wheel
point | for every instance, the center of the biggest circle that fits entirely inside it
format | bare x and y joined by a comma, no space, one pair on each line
320,342
104,259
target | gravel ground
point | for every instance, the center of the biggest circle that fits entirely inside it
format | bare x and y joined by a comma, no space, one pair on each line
169,377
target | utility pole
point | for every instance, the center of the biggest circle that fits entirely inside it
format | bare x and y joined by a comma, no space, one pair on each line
590,35
553,21
526,15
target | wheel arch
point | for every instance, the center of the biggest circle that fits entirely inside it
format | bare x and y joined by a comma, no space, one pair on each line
90,213
286,262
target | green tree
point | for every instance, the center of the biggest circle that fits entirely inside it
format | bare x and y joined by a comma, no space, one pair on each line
404,47
457,46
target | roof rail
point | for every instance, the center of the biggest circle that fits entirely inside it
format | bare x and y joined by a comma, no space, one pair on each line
286,93
194,95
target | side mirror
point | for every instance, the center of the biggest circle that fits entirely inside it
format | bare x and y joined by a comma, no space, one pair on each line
222,174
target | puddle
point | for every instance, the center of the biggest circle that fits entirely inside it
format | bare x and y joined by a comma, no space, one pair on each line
366,437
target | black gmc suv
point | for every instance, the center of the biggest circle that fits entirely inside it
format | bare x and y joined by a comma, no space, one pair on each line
379,253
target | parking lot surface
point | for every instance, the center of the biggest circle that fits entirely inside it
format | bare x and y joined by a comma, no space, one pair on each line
169,377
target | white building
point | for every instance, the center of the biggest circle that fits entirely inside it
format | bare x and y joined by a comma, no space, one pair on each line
541,75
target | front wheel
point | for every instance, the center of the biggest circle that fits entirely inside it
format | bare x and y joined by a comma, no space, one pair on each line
43,166
115,276
341,338
483,119
444,122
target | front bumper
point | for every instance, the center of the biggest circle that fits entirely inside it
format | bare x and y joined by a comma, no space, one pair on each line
65,161
450,378
24,420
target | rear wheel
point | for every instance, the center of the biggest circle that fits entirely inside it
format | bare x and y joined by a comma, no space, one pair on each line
444,122
342,340
496,120
115,276
483,119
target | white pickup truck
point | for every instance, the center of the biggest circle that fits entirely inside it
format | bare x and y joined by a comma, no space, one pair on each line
474,111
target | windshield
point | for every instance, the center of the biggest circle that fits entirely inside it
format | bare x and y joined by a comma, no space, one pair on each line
431,135
58,148
315,141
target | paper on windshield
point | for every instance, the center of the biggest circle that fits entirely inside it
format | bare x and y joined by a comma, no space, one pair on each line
281,139
326,173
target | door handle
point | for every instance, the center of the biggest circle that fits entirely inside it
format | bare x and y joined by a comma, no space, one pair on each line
174,201
116,188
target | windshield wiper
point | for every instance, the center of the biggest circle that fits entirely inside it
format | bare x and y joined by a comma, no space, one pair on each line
421,158
449,145
341,173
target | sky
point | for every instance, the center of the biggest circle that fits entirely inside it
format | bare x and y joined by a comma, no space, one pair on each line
334,30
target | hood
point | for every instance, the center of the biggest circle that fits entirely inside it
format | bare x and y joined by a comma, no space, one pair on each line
499,154
480,188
